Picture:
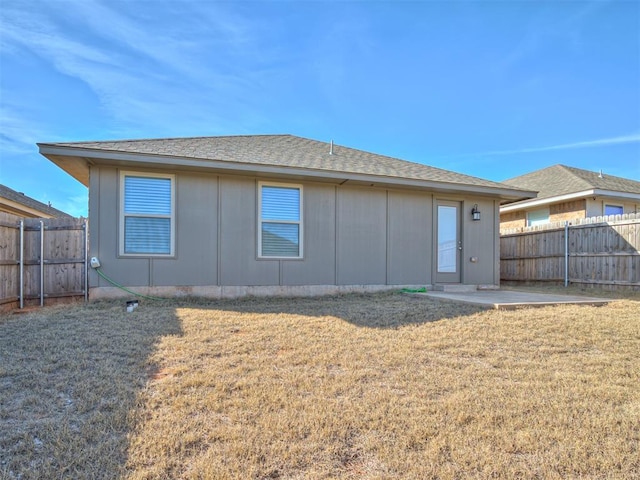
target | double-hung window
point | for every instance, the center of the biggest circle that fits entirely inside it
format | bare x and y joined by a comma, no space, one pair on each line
279,220
147,214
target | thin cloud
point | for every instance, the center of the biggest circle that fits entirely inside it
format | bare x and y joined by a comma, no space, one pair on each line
146,77
20,131
169,48
603,142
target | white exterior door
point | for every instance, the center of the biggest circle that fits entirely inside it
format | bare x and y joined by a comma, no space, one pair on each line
448,242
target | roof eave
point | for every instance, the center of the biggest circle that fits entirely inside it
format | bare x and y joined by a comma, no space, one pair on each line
594,192
616,194
21,209
76,161
68,160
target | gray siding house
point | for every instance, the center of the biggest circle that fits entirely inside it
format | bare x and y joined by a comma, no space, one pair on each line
279,214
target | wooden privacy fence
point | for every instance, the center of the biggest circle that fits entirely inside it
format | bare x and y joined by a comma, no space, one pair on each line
42,258
598,250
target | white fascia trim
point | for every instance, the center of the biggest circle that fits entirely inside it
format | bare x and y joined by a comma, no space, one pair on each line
569,196
546,201
24,210
618,195
285,171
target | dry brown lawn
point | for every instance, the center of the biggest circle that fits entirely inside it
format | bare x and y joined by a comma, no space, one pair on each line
357,386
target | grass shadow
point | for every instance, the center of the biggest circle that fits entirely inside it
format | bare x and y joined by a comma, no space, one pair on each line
69,379
376,310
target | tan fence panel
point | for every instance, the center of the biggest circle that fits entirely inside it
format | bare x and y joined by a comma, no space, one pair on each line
52,269
601,250
535,255
9,256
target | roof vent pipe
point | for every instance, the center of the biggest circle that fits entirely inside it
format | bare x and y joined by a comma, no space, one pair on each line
331,148
600,175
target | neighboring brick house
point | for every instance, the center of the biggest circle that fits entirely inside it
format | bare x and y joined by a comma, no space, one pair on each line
17,203
568,193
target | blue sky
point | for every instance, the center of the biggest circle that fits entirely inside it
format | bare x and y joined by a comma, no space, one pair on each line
493,89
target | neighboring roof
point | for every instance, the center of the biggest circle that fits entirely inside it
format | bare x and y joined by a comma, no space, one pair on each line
563,181
20,204
272,154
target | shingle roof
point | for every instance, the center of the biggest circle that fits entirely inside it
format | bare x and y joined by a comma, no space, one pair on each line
563,180
285,151
22,199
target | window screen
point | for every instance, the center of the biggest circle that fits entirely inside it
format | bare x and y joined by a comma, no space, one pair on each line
280,221
147,215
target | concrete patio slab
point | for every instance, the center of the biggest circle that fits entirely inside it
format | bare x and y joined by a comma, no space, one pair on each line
511,299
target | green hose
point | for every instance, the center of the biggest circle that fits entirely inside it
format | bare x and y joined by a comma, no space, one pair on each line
116,284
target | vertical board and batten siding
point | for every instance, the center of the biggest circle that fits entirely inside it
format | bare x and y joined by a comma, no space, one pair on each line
602,250
103,210
362,236
196,248
319,235
409,242
63,252
201,196
480,242
352,235
239,236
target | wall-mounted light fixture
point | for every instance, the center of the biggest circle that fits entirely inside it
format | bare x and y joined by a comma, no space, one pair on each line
475,213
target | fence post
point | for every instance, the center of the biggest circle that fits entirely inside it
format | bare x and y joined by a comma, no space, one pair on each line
41,263
566,254
21,256
86,262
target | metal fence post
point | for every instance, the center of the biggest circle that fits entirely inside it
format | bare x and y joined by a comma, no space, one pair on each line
21,288
41,263
86,262
566,254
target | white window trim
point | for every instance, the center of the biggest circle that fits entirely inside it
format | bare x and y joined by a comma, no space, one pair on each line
122,215
299,222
